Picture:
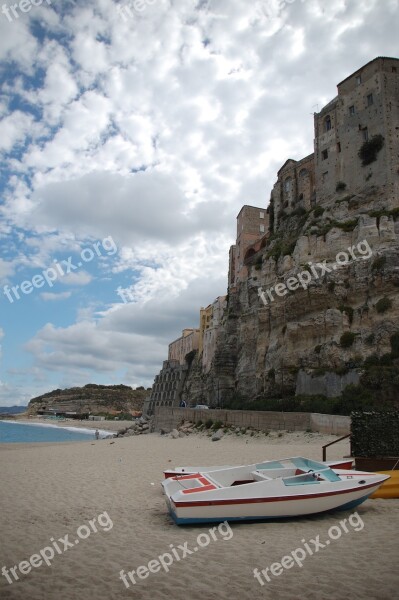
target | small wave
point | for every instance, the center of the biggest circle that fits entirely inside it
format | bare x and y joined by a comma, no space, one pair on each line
84,430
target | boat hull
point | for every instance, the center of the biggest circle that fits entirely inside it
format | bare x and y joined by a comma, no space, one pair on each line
260,509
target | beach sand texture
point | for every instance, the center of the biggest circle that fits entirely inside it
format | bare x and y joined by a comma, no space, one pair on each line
49,491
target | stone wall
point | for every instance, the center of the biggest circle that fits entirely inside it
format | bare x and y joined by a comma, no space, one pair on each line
168,418
168,385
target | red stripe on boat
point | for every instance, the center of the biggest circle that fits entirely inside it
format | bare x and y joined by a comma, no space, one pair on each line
264,500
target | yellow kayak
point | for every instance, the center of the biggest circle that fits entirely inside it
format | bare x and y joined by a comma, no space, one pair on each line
390,488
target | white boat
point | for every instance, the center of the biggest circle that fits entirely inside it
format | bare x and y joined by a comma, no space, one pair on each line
190,470
275,489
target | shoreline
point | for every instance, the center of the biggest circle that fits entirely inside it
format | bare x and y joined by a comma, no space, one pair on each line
105,426
84,430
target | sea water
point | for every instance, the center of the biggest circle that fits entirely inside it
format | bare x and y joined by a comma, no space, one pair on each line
13,432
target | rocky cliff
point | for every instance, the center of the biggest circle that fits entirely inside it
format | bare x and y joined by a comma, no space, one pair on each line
340,319
92,398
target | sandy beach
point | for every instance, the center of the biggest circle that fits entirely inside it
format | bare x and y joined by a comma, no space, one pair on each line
51,492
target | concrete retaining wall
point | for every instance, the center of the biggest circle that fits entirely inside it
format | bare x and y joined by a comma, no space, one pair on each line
167,418
333,424
329,384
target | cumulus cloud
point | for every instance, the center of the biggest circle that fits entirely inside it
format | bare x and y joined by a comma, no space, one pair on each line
130,338
52,297
80,278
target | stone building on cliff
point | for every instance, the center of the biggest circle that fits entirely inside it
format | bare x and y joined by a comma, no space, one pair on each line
345,192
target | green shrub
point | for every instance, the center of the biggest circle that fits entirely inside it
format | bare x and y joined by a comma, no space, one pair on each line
317,349
341,186
370,339
386,360
217,425
383,305
375,433
354,397
394,213
346,226
378,263
319,372
347,339
258,263
331,286
318,211
372,361
299,212
370,149
270,211
282,249
208,423
395,345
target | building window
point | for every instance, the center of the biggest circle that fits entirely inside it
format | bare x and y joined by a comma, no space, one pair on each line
394,70
262,215
351,110
287,184
262,228
339,147
358,80
365,133
370,100
327,123
324,155
325,175
303,172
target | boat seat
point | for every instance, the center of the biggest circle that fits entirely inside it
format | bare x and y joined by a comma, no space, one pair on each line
258,476
275,464
301,464
330,475
306,479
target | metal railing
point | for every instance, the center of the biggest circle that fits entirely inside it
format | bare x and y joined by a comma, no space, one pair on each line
331,443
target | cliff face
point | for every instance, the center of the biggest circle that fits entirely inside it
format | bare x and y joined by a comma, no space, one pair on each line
91,398
339,320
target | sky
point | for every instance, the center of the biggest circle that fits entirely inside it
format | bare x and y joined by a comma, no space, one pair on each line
131,134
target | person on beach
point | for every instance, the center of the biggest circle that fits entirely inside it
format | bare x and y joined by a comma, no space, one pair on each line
97,434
